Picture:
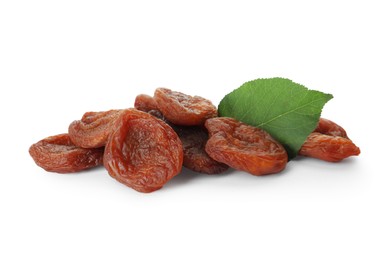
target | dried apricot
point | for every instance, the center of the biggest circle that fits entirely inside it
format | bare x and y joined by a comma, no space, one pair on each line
145,103
93,129
327,127
194,140
328,148
142,151
182,109
58,154
244,147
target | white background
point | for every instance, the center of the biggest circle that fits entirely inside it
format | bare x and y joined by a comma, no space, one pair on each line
59,59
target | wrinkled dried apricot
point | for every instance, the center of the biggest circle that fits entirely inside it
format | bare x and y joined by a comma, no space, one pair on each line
328,148
244,147
93,129
142,151
182,109
194,140
327,127
145,103
58,154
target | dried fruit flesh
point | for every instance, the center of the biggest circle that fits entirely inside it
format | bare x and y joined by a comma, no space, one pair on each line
142,151
93,129
182,109
328,148
59,154
194,140
159,115
145,103
244,147
328,127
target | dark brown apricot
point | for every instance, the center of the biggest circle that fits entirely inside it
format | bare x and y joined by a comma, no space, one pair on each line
194,139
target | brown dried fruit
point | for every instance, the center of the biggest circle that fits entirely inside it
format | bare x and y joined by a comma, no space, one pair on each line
142,151
327,127
194,140
159,115
93,129
58,154
244,147
182,109
145,103
328,148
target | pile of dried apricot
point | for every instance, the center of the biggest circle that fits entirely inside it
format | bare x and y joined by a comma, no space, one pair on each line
145,146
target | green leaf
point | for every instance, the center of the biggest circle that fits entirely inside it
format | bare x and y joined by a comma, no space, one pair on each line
283,108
